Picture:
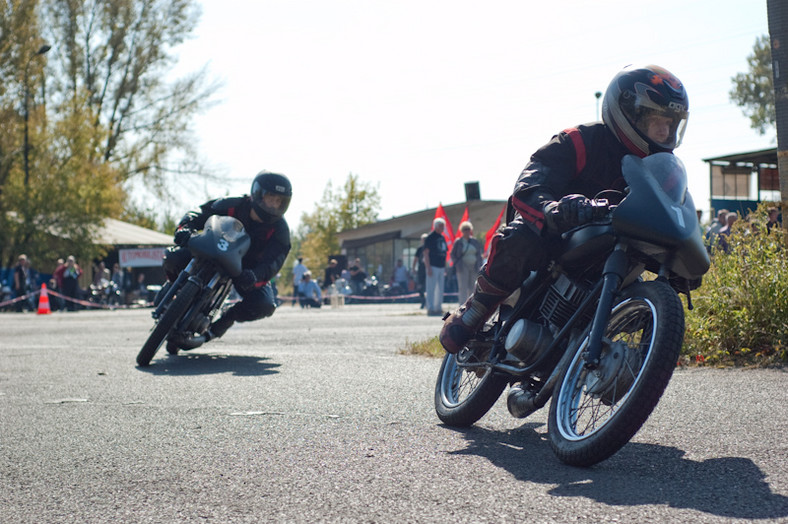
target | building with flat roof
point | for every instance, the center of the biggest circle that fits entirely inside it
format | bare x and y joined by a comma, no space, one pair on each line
738,182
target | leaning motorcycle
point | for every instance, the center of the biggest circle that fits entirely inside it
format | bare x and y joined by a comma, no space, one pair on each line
599,330
186,307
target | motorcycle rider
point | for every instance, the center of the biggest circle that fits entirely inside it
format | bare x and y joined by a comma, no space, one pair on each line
262,215
644,111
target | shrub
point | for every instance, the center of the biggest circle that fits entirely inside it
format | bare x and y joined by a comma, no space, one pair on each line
740,313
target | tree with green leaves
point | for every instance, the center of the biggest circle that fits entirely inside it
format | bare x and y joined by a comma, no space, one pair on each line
754,91
119,52
89,108
353,205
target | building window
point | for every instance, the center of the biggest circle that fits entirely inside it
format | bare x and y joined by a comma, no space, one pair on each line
731,182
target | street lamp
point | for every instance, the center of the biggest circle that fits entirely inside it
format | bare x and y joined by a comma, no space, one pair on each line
26,148
598,95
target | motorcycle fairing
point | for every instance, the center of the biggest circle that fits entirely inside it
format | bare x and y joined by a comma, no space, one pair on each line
224,240
658,190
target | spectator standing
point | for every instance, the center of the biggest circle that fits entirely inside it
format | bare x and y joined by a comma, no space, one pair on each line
309,292
58,274
420,269
358,277
56,284
725,231
56,303
23,283
128,286
714,229
101,274
399,277
298,273
466,255
332,273
773,222
435,250
141,289
71,289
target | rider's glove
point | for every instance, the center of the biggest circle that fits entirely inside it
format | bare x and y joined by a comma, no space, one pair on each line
569,212
182,237
245,281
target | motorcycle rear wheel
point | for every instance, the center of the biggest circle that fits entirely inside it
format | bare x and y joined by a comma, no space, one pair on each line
462,395
594,413
176,310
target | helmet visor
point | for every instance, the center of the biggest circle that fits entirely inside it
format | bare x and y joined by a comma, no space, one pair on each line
275,204
663,127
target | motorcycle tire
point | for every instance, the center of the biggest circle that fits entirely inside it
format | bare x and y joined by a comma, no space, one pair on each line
176,310
594,413
462,396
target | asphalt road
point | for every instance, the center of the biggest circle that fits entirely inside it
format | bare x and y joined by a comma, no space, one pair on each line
314,416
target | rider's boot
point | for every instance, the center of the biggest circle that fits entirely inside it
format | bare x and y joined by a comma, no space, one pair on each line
221,326
460,326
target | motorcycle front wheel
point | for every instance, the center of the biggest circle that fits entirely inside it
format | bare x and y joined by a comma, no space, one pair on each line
176,310
594,413
463,395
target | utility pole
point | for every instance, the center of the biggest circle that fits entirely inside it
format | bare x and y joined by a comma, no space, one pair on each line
777,11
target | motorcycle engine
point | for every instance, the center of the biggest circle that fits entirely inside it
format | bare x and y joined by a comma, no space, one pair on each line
528,340
199,324
562,300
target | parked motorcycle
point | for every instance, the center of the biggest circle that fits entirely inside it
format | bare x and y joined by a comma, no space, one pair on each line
105,292
186,307
593,330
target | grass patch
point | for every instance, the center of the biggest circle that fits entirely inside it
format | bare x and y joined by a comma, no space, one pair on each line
425,348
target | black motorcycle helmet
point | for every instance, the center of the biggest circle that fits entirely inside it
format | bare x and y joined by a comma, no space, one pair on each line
639,93
267,184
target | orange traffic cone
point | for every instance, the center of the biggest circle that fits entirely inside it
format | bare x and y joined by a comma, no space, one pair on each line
43,301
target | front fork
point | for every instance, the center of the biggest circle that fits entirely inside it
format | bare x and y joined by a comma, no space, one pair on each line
176,285
616,269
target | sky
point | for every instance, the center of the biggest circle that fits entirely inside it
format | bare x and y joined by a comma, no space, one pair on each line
418,97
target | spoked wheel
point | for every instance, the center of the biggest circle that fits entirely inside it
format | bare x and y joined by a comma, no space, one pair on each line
163,327
465,392
594,413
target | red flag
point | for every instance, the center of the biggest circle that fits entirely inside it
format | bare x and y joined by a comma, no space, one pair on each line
491,233
448,232
464,218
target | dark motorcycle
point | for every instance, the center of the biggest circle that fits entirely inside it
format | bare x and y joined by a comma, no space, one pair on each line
105,292
592,330
185,308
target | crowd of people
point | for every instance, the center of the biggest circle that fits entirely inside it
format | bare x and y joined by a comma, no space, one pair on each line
434,271
717,234
110,288
434,267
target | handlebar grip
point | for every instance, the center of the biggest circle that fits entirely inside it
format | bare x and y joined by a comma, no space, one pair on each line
601,208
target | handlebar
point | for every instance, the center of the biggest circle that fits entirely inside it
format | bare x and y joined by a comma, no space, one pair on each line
601,208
